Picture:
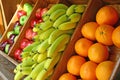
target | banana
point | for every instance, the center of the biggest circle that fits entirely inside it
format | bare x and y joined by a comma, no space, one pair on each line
25,54
43,46
51,62
71,10
60,20
62,48
28,78
26,70
43,75
67,26
42,57
35,57
55,7
75,17
36,70
57,44
80,8
18,76
45,18
27,62
43,36
56,33
46,25
17,68
57,14
30,47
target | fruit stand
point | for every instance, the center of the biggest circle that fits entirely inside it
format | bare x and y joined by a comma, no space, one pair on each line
46,39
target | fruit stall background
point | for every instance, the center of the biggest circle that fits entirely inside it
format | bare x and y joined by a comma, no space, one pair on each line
9,17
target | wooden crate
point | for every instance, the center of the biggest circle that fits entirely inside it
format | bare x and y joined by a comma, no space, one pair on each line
8,9
13,20
89,15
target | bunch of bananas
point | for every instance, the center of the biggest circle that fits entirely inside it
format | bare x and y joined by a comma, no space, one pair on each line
54,33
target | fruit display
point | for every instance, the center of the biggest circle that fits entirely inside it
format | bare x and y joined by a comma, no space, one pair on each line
12,34
29,35
93,57
54,32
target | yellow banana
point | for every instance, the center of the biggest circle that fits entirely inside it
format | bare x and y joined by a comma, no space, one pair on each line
46,25
42,57
56,14
43,36
57,44
55,7
60,20
75,17
67,26
71,10
56,33
18,76
80,8
43,46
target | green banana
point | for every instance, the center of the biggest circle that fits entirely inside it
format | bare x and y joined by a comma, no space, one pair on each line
18,76
75,17
55,7
36,70
57,44
43,36
60,20
35,57
17,68
30,47
43,46
57,14
56,33
46,25
26,70
71,10
67,26
42,57
80,8
27,62
43,75
51,62
25,54
45,18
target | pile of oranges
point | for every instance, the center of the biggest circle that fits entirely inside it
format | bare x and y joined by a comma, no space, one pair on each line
91,61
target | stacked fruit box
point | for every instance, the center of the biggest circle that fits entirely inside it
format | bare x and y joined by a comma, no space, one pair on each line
88,15
11,27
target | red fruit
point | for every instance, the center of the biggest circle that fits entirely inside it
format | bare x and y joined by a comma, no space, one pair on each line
43,11
34,22
38,13
29,34
17,54
24,43
21,13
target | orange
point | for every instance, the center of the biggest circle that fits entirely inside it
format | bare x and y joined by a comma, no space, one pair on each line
67,76
107,15
87,71
82,45
88,30
104,70
103,34
116,36
74,64
98,53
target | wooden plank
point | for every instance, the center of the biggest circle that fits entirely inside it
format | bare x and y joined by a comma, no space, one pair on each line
8,8
6,68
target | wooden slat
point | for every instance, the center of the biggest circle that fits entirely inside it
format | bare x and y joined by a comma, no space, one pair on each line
8,9
6,68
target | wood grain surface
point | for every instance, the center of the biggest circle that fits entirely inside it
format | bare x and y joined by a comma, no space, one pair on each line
6,68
